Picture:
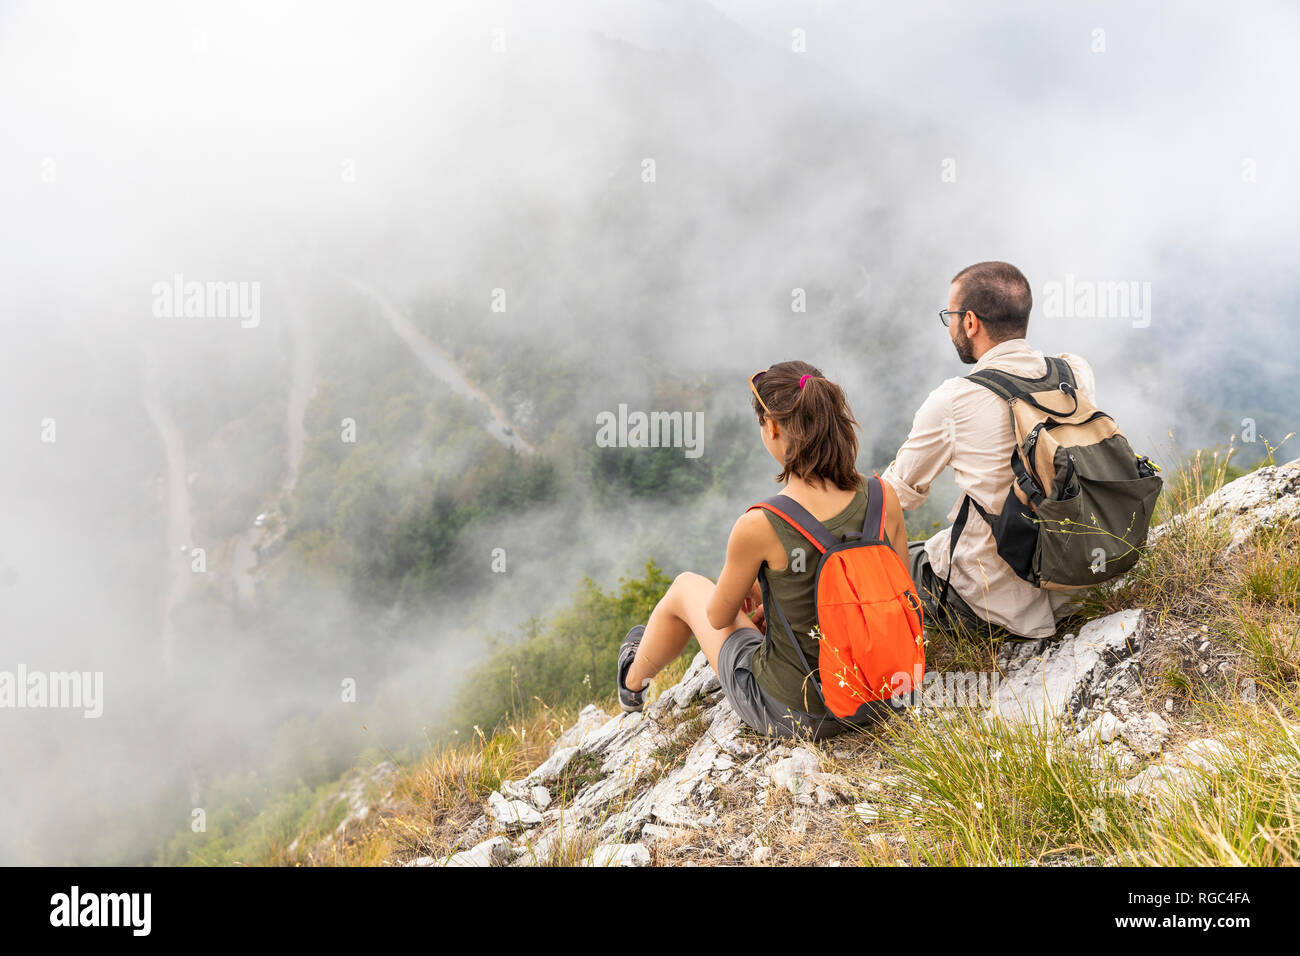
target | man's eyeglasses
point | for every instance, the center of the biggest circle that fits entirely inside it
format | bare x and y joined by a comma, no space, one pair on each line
944,313
753,387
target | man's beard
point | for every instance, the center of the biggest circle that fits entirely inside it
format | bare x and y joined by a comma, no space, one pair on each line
963,346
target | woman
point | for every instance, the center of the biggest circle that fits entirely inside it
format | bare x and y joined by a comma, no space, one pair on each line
806,425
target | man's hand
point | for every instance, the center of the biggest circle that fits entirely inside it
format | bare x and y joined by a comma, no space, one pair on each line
753,606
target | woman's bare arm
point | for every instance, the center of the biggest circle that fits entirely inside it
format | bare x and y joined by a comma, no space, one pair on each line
751,541
894,525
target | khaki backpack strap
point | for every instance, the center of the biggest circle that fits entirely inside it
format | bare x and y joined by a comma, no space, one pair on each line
1007,386
957,527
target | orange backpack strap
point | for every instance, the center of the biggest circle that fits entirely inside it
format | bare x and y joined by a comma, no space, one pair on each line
797,517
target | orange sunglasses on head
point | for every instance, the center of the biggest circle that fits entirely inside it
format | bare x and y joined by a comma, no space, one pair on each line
753,387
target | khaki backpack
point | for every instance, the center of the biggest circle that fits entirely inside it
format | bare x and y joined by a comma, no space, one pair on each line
1080,504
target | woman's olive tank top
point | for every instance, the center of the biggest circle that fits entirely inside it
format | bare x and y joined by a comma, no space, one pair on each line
775,665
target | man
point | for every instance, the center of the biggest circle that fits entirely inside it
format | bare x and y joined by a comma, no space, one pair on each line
964,425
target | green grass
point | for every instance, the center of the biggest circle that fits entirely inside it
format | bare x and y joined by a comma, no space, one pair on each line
1248,813
582,770
1271,648
683,736
977,793
1175,682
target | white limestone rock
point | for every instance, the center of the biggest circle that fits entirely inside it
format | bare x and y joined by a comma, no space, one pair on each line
619,854
866,812
1205,754
1165,783
512,814
514,791
552,767
677,798
539,848
794,772
698,681
1263,498
354,793
477,830
494,852
1145,733
589,720
1071,673
654,831
1102,730
600,740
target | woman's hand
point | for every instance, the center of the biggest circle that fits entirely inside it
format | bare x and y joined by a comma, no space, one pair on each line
753,606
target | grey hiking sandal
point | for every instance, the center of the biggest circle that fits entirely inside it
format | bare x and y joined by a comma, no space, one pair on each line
630,701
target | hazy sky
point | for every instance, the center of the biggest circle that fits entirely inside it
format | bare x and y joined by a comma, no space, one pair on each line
863,152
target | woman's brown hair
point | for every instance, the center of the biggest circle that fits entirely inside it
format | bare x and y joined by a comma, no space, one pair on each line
821,443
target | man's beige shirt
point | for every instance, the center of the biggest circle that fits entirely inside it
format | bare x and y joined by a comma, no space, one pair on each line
965,425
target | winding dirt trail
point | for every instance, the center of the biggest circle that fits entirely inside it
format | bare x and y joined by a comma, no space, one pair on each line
302,384
443,366
180,524
244,558
180,532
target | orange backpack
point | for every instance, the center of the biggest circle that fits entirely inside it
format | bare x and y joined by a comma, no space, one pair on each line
868,614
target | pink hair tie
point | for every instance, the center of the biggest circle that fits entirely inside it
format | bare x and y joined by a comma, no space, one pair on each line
803,381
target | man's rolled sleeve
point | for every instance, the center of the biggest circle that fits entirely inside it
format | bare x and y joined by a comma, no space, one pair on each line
927,451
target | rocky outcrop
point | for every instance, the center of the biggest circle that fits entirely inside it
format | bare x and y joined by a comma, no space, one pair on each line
362,793
493,852
1261,499
656,783
656,775
1049,680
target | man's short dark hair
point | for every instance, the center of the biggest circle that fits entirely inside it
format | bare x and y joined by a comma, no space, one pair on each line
999,294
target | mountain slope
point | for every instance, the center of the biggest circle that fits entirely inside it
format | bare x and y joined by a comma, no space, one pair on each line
1161,733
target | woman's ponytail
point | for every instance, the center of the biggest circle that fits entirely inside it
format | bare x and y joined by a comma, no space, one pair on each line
821,441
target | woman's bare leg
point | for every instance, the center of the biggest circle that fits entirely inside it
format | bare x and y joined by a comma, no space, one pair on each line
681,612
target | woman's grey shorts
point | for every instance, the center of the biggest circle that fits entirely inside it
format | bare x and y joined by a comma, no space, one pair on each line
752,704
